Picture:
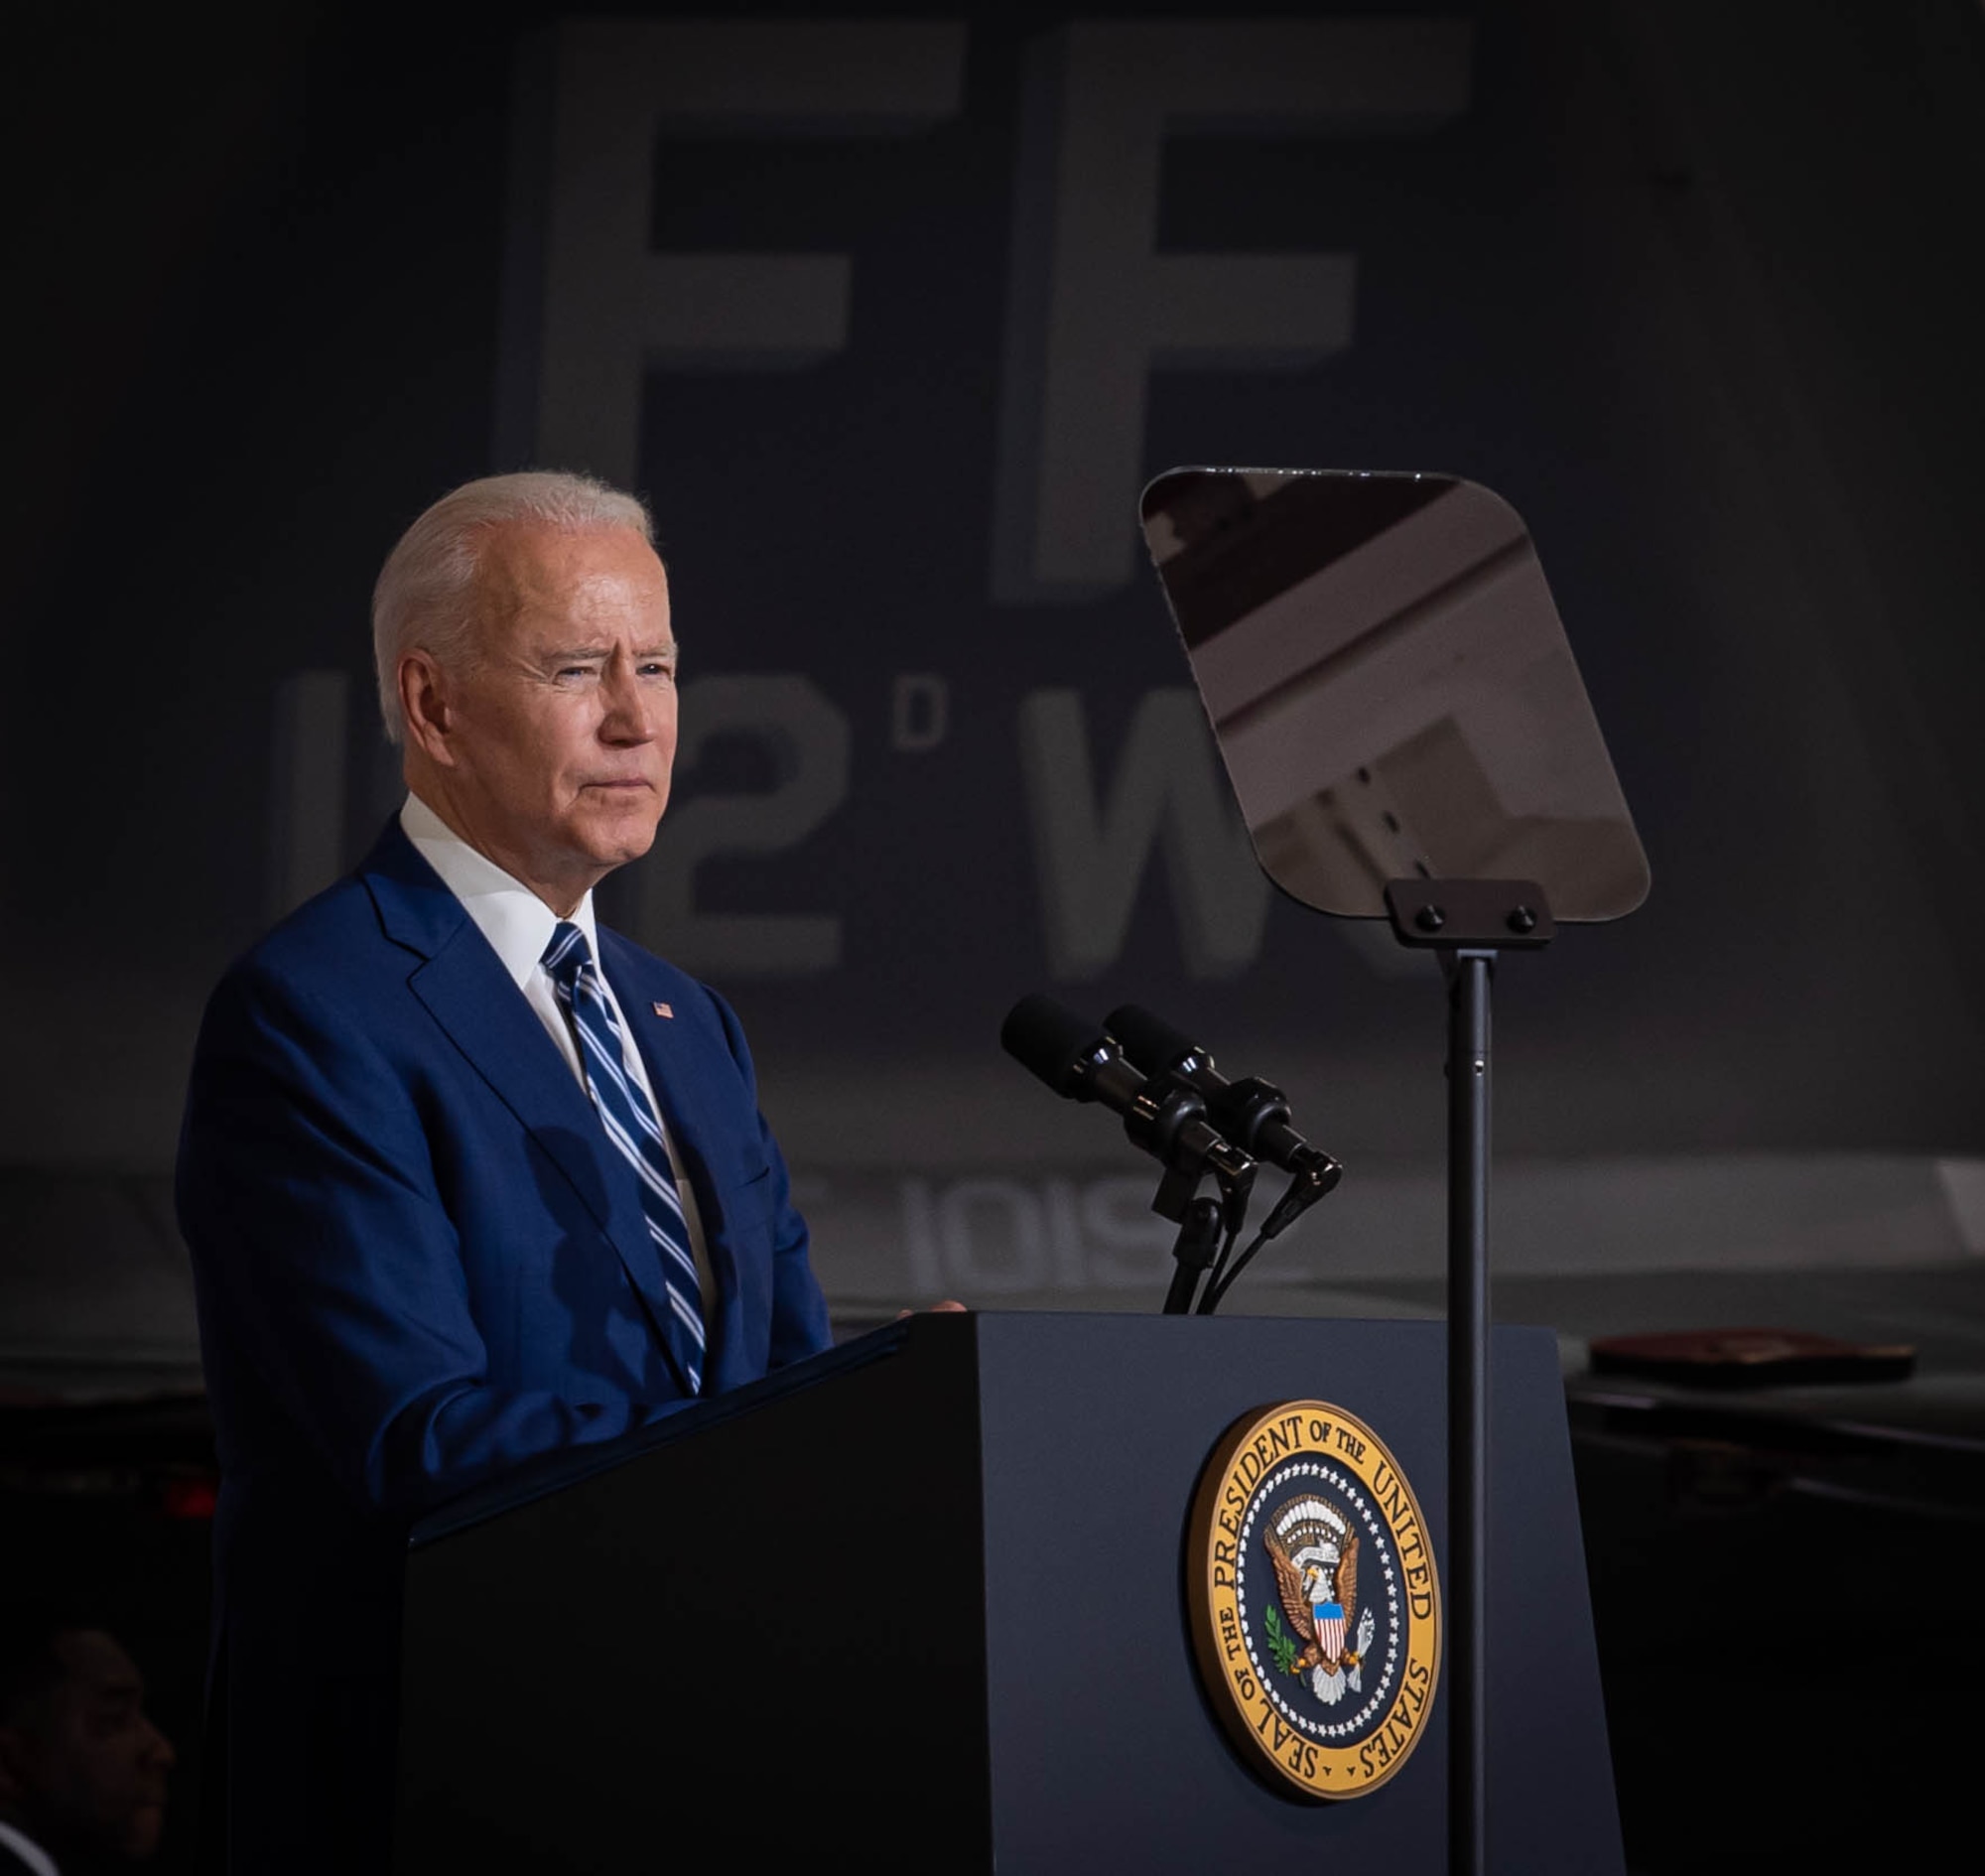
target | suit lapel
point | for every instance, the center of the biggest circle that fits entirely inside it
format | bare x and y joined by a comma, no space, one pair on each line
464,985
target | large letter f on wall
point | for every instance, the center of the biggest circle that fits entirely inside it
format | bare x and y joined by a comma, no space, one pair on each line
610,307
1092,309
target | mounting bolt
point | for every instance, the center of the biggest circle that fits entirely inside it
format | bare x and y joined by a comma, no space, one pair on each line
1522,919
1429,918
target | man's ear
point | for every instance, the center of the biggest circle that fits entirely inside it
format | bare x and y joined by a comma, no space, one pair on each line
425,708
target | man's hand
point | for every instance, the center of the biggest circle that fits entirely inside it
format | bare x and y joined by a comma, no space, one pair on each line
937,1308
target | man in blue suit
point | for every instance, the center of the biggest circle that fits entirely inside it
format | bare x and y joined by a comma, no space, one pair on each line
437,1229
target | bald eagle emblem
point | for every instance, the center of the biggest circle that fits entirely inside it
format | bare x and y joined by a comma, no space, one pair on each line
1315,1555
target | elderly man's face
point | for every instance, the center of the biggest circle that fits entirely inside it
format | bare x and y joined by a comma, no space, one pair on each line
87,1771
553,746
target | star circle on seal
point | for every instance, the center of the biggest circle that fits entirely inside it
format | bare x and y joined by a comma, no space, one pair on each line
1313,1600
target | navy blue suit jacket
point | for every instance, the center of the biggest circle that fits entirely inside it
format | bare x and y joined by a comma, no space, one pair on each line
420,1262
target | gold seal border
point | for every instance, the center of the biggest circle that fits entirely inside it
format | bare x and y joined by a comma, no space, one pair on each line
1289,1755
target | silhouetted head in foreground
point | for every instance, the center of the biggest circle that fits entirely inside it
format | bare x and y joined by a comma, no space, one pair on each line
82,1770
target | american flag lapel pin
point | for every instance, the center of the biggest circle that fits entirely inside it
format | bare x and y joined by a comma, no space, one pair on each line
662,1010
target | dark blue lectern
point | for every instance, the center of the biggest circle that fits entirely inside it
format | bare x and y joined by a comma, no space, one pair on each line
918,1605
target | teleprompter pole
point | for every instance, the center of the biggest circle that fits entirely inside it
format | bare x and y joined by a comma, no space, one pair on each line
1468,1090
1467,921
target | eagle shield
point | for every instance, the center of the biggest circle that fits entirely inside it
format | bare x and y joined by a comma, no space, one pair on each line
1315,1554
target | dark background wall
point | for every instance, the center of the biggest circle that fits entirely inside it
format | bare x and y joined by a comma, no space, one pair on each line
1690,286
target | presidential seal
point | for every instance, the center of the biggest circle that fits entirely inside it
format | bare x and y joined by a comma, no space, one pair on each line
1314,1607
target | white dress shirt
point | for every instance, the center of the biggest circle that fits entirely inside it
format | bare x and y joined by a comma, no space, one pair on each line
28,1850
519,925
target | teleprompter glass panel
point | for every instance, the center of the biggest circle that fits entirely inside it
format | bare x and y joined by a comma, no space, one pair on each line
1390,687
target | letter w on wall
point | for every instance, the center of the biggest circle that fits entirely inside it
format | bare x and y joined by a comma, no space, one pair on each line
1093,847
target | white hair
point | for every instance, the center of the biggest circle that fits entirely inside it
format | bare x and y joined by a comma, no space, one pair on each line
426,596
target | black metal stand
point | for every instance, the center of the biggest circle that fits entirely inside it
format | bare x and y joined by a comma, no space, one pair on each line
1467,921
1197,1247
1468,1088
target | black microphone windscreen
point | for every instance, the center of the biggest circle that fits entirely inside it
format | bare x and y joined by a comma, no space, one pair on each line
1048,1039
1149,1042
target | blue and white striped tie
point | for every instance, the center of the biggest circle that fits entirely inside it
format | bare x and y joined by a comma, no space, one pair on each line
631,1125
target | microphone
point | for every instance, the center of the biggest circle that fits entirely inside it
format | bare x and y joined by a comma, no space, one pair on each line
1164,1115
1253,1113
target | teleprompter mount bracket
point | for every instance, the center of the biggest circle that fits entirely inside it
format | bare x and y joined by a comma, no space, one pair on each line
1470,914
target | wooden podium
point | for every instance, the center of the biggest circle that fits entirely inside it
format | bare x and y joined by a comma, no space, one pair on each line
918,1605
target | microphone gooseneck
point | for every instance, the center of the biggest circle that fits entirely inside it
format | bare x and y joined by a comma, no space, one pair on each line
1178,1107
1253,1113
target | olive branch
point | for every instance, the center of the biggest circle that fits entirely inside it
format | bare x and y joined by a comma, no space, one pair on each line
1281,1644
